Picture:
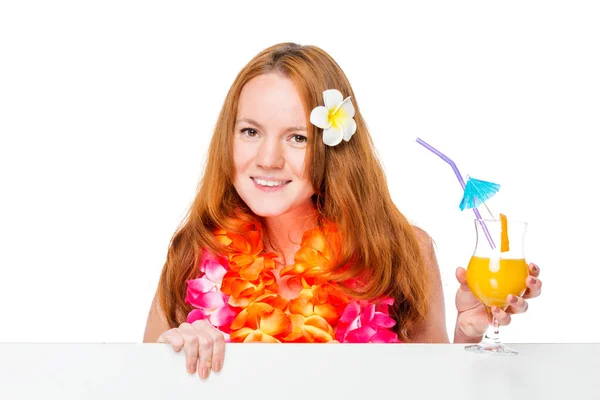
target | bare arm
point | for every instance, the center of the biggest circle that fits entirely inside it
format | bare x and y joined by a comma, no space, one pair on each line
156,323
433,328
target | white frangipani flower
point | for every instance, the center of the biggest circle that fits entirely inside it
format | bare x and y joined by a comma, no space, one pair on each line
335,118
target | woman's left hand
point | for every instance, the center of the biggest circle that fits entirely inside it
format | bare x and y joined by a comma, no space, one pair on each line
472,320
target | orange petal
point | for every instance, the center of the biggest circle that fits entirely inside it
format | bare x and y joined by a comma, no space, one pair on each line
294,283
238,261
251,316
240,320
306,285
504,246
328,312
240,334
316,329
294,269
336,295
269,282
315,239
276,323
254,336
241,301
318,322
224,240
251,271
316,335
257,310
227,283
258,336
253,240
239,243
297,323
320,294
316,262
239,286
302,304
274,300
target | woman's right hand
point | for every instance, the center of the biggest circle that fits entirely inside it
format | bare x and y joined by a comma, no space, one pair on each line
203,345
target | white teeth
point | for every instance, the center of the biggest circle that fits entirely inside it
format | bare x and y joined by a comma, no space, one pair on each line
263,182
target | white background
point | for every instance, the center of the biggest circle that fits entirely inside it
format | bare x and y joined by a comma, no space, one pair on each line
106,110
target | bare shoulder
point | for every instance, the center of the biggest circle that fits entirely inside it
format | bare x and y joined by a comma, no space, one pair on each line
425,245
421,234
432,329
156,323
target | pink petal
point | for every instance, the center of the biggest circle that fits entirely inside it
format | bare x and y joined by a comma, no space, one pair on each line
223,316
350,312
382,320
347,321
340,333
385,336
199,285
209,301
209,256
387,300
383,305
360,335
213,269
367,315
196,315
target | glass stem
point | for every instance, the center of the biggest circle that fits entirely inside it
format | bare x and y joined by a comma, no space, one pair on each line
493,332
496,332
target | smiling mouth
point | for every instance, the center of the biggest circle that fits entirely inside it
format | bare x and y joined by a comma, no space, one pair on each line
269,183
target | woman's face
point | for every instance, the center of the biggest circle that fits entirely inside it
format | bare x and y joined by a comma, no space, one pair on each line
269,147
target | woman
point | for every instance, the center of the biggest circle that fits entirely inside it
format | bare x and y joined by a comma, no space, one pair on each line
293,236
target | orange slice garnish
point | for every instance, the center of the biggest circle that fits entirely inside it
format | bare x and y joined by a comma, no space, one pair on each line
504,235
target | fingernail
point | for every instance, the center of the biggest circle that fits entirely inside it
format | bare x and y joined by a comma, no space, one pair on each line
190,369
533,280
535,268
204,373
513,299
217,366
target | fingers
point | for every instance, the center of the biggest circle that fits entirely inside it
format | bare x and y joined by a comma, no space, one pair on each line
190,348
534,287
205,342
218,350
534,270
516,305
203,345
502,317
173,337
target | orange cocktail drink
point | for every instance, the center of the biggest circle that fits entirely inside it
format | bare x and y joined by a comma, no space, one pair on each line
492,281
497,269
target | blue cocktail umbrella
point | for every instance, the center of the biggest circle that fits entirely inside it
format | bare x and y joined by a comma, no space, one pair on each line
477,192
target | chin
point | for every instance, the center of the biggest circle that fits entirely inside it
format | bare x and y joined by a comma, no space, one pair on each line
268,210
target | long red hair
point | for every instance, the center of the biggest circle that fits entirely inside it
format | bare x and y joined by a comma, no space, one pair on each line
351,190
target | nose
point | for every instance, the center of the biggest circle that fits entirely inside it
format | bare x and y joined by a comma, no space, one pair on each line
270,154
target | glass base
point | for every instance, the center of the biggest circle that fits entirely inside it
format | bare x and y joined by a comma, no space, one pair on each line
491,348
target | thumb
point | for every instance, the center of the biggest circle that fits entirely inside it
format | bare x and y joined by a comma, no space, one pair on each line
461,277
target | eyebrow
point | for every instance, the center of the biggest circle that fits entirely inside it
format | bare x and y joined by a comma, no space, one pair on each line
259,126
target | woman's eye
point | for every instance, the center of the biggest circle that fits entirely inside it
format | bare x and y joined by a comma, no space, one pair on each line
299,139
250,132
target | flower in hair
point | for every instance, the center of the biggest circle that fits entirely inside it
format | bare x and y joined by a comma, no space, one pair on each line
335,118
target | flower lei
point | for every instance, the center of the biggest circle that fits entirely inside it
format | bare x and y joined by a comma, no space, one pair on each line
238,293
